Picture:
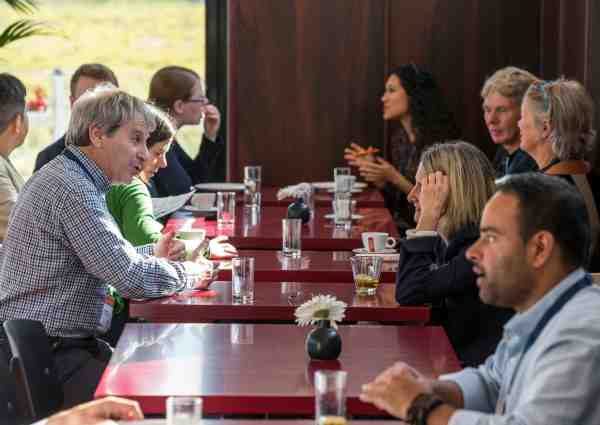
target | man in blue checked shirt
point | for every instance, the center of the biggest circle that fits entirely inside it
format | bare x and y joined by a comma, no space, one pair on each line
534,241
63,249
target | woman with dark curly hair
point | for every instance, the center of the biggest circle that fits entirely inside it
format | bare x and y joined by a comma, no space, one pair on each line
413,98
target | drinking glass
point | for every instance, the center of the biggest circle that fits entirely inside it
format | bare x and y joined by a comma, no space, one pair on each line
225,208
330,397
366,270
342,209
291,237
184,410
344,183
242,273
252,182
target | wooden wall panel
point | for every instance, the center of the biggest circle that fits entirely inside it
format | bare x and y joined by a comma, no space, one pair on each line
304,78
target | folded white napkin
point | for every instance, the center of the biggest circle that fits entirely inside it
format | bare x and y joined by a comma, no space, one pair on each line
295,191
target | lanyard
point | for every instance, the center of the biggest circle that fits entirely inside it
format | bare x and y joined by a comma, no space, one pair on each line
548,315
77,161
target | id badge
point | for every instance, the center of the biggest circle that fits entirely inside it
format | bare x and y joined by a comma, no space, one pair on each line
107,313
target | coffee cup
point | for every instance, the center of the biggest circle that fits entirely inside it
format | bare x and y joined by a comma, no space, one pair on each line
377,241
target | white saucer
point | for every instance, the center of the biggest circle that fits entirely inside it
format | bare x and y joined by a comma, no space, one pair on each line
331,185
364,251
354,190
354,216
221,187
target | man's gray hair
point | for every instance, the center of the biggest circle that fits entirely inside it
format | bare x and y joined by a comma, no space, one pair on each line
107,108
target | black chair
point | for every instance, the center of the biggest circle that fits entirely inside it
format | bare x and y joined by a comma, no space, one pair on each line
8,396
33,363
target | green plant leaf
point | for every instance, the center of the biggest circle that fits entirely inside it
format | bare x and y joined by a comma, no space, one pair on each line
22,29
23,6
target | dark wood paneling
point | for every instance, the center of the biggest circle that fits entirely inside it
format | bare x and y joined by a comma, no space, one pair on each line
305,80
462,42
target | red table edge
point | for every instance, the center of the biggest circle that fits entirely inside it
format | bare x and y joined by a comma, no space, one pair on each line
271,404
173,313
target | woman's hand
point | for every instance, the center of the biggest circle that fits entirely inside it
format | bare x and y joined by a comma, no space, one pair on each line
99,411
381,171
355,156
212,122
433,199
218,248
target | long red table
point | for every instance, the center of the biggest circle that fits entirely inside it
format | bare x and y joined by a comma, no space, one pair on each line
313,266
274,301
264,231
259,369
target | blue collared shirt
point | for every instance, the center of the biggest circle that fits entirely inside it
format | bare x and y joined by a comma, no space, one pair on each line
63,248
556,382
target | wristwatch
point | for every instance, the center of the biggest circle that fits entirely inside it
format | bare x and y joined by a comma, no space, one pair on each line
421,407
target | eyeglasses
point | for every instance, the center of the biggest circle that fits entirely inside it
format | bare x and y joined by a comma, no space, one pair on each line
203,101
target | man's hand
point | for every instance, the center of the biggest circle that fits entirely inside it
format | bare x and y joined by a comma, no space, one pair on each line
99,411
212,122
395,389
433,200
169,248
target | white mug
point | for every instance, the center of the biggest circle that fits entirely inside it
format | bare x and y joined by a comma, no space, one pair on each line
377,241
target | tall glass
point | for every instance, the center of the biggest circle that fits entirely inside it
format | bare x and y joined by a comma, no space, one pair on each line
242,276
330,397
291,237
225,208
252,183
342,209
184,410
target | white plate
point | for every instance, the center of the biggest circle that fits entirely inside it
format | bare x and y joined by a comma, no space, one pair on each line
354,216
221,187
331,185
194,209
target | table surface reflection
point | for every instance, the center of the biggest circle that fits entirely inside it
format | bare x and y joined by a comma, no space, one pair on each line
274,301
251,369
261,228
313,266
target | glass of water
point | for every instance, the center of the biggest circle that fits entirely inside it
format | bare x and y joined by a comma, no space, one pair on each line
252,183
225,208
330,397
291,237
242,273
184,410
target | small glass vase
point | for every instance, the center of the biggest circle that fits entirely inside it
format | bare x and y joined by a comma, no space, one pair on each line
323,342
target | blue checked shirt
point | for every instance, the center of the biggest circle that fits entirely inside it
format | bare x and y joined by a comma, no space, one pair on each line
557,382
63,248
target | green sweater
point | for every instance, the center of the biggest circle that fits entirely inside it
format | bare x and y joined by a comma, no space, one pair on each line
131,206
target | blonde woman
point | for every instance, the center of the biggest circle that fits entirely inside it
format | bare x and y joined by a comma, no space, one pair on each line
453,183
557,130
502,95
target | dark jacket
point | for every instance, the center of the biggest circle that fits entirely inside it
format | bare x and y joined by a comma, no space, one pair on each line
182,172
432,272
517,162
49,153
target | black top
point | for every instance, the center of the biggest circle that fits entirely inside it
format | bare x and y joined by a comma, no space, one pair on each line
182,172
517,162
49,153
432,272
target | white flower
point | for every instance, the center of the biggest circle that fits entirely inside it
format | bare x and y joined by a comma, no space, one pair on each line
320,307
296,191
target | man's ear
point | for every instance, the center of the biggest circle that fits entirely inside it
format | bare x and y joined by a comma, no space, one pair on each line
96,136
540,248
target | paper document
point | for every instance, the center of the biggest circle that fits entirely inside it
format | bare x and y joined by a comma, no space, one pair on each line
169,204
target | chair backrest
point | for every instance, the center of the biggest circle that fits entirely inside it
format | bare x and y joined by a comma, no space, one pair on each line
8,395
34,362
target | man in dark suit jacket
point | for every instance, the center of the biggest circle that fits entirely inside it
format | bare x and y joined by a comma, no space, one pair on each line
180,92
87,76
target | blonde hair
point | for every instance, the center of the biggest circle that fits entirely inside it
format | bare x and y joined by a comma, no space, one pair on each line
471,181
569,111
510,82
